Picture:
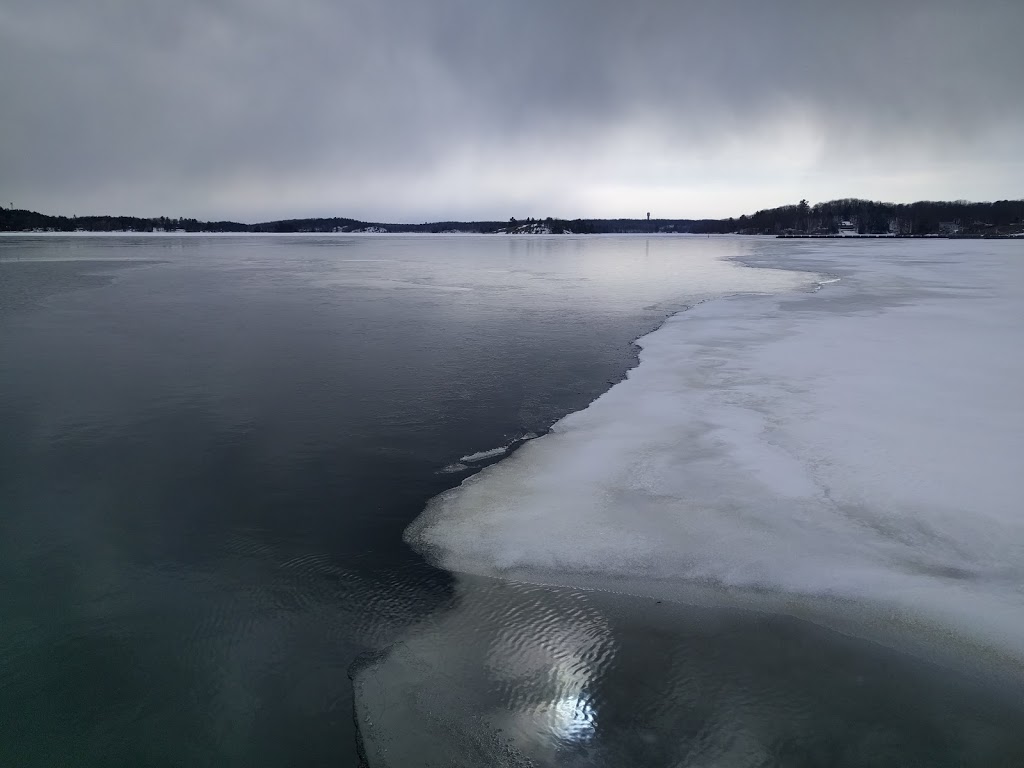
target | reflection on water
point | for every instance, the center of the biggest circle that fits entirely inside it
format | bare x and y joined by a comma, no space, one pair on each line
572,718
521,674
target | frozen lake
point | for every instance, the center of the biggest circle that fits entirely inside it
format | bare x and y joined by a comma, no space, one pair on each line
247,483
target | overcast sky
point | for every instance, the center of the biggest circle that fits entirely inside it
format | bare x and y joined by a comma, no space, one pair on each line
412,110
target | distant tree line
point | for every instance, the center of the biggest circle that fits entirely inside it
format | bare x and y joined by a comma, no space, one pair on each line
306,225
862,216
867,217
26,221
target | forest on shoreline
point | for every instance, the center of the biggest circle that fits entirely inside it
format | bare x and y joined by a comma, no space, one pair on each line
865,217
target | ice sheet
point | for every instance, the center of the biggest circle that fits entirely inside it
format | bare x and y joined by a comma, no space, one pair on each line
862,445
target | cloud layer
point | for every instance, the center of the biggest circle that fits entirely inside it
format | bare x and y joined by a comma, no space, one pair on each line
394,109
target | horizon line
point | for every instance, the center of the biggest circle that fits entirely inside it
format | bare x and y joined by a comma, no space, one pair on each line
957,201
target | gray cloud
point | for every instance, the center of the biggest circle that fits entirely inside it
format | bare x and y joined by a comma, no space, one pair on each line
403,109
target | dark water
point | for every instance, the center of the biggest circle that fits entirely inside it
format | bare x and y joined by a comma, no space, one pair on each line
210,448
518,675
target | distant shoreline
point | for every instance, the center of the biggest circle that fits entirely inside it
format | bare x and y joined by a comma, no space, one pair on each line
836,218
904,237
214,233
